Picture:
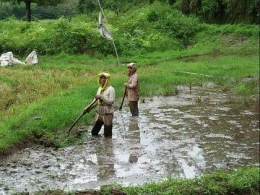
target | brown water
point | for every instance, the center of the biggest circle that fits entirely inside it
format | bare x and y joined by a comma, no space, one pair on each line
184,136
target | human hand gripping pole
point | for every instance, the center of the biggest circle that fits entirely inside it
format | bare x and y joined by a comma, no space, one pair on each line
83,113
120,108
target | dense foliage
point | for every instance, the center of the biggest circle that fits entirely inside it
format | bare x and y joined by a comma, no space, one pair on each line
157,27
29,2
209,11
144,30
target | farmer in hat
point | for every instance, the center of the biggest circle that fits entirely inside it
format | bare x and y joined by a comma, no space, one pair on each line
105,99
132,89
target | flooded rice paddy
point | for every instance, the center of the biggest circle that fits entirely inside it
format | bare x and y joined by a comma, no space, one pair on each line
184,136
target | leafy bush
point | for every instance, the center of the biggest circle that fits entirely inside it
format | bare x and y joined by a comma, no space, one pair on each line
156,27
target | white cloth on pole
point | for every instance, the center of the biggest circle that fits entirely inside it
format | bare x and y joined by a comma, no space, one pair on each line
102,29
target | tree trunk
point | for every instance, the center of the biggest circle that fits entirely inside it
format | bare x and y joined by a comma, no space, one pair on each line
28,10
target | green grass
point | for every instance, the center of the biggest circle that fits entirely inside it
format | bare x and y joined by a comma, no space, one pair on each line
242,181
239,182
59,87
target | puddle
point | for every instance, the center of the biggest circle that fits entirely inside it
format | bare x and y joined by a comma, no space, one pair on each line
184,136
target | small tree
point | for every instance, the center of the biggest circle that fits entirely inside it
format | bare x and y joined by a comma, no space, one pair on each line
185,7
38,2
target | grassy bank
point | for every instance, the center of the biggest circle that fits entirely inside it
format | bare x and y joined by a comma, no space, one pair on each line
239,182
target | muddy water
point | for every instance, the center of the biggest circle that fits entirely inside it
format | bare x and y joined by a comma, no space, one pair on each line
184,136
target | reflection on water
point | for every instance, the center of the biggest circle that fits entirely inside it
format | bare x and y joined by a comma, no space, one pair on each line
133,136
176,136
104,151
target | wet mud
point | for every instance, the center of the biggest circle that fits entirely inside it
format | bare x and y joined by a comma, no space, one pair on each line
184,136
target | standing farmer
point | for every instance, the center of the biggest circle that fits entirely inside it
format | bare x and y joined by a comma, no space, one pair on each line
132,89
105,99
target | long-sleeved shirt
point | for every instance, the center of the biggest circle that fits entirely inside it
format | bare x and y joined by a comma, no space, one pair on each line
133,92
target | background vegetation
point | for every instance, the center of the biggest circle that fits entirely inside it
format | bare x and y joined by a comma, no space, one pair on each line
209,11
157,27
